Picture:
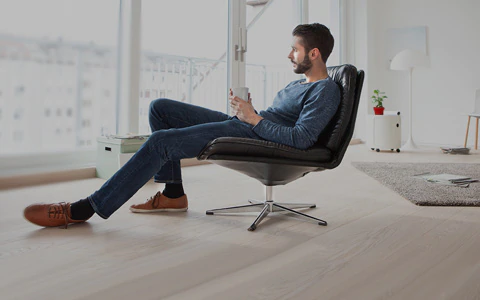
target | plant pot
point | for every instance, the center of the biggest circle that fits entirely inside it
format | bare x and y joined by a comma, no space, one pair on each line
378,110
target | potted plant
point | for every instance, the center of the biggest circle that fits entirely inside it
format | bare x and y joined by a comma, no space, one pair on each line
377,100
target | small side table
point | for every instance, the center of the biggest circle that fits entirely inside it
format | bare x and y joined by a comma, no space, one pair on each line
384,131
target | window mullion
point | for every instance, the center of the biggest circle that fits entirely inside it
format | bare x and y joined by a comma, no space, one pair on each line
236,51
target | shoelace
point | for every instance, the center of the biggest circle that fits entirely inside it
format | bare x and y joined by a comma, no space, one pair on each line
59,211
155,199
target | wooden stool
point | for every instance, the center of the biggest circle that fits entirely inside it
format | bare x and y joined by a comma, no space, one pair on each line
475,114
476,131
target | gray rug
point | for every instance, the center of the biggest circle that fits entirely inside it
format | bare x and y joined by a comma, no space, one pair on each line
399,177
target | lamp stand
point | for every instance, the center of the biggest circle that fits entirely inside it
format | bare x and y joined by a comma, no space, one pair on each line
410,144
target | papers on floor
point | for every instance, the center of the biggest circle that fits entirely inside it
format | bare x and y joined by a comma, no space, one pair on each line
447,179
447,150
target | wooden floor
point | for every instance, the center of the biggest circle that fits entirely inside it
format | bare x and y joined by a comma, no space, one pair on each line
377,244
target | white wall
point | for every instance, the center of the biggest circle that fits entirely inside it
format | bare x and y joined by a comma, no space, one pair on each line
443,93
355,51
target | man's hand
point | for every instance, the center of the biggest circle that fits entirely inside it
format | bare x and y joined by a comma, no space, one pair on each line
244,109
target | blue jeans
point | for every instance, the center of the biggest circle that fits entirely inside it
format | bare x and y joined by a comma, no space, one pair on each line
179,130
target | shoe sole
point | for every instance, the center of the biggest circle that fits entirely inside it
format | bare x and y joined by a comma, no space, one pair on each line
139,210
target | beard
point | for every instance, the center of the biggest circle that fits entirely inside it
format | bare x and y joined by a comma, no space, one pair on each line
304,66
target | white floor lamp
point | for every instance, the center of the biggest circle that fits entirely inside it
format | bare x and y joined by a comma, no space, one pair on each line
407,60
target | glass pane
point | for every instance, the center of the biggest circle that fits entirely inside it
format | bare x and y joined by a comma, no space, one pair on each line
184,46
57,74
268,69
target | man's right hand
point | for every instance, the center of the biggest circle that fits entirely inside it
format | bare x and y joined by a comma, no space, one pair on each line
244,109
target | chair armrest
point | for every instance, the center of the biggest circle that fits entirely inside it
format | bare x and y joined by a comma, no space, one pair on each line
260,148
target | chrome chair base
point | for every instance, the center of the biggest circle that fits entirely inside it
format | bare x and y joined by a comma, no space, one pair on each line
266,207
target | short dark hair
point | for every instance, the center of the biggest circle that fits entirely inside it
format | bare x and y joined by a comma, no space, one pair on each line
315,36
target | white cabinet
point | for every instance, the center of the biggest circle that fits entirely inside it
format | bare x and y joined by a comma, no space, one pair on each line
384,132
113,152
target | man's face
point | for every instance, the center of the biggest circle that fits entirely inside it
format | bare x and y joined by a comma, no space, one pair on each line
301,61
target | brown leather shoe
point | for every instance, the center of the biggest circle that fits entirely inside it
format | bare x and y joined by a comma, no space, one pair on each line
159,203
50,215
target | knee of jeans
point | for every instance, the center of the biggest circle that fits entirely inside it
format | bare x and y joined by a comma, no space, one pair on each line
160,106
162,141
155,137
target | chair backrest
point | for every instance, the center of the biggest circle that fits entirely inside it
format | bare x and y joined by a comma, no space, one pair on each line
339,131
476,108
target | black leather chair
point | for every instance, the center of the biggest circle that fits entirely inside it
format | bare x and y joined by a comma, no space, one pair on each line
276,164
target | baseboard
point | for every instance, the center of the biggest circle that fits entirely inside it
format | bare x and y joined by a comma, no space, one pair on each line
189,162
24,180
355,141
38,178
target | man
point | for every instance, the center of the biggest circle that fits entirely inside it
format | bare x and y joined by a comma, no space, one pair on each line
297,117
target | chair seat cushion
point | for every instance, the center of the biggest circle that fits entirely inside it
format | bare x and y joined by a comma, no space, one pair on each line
259,148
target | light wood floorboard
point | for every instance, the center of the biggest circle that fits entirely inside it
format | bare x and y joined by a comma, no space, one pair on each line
377,245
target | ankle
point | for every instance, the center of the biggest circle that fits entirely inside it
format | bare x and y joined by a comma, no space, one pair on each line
81,210
173,190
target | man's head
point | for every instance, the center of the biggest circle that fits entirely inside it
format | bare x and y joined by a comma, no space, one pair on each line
312,43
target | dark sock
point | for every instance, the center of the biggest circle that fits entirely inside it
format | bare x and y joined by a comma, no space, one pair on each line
173,190
81,210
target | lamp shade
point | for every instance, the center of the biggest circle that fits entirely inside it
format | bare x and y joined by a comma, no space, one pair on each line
407,59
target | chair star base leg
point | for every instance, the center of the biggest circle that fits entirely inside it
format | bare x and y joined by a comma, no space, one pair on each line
263,214
236,209
301,215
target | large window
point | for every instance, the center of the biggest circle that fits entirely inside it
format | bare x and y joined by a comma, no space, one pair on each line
57,74
59,70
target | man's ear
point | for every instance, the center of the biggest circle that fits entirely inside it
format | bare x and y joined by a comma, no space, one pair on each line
315,54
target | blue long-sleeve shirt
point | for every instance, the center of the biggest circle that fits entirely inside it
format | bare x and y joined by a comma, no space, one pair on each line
299,113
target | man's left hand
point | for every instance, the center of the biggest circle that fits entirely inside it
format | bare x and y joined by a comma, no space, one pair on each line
244,109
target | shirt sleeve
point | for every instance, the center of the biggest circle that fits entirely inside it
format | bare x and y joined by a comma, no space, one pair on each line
317,112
